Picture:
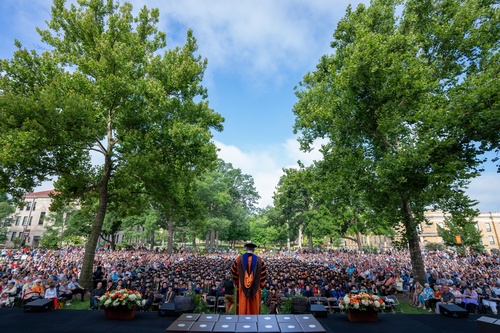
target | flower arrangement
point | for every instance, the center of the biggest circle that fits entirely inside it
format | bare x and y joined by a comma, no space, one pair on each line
120,298
362,301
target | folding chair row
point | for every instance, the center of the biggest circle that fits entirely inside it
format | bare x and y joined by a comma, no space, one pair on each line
216,304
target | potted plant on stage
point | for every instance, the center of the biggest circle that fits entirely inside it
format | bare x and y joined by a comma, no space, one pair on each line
121,304
362,307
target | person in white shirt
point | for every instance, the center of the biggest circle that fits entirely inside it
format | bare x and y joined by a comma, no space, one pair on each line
51,293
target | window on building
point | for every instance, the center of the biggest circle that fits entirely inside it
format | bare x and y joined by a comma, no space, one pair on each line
28,205
441,224
492,240
487,226
13,236
34,205
25,220
18,220
42,217
31,220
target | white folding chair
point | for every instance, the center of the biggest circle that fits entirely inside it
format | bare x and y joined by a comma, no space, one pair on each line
395,305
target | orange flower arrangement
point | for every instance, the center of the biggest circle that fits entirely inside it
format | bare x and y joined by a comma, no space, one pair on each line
362,301
124,297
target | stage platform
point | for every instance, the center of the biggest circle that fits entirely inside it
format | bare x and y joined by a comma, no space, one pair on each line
215,323
86,321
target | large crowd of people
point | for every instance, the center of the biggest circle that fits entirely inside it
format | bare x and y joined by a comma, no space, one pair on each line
474,279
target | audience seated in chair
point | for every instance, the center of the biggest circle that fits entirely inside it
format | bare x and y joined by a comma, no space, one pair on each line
65,293
8,294
95,296
51,293
76,289
470,300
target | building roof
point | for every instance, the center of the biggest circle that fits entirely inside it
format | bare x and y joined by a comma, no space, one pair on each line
40,194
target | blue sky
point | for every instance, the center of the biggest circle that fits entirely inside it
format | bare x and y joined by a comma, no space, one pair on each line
257,51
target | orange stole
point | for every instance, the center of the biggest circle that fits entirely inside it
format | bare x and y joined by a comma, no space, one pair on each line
247,306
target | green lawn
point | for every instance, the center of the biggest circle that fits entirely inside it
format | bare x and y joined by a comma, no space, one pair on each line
410,309
78,305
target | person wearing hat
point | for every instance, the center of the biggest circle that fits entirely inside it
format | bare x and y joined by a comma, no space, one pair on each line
249,275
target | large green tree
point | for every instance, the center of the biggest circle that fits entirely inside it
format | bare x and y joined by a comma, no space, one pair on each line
296,201
102,87
280,231
340,185
393,98
226,198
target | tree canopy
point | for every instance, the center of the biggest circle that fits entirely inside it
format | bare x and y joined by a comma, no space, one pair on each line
402,101
226,198
6,209
102,87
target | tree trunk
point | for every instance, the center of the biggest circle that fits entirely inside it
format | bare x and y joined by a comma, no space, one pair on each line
88,259
300,237
170,236
212,239
358,240
114,239
411,231
310,239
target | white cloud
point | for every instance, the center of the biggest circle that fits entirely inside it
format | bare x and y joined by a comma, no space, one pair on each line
292,148
265,164
259,40
256,39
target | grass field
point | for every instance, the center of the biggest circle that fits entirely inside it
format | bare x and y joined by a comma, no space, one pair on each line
78,305
410,309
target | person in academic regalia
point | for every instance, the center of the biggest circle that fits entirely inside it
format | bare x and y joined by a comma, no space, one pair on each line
249,275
